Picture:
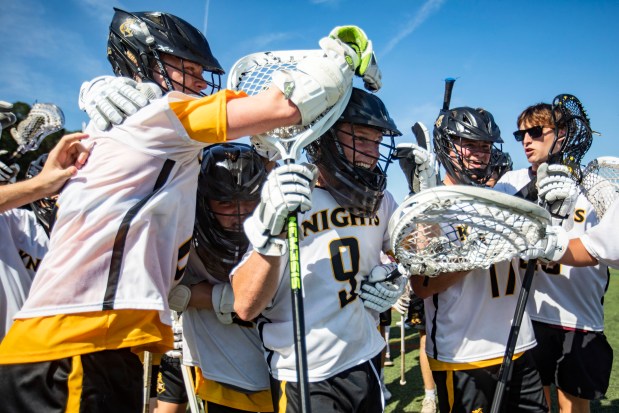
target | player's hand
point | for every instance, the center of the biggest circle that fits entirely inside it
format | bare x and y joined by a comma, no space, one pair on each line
382,288
110,100
549,248
177,329
557,190
418,165
7,117
223,302
288,188
353,43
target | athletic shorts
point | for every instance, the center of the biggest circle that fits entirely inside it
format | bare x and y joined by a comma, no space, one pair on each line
577,362
356,390
385,318
101,382
170,384
466,391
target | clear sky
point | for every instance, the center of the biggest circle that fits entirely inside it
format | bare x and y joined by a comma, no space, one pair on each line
506,55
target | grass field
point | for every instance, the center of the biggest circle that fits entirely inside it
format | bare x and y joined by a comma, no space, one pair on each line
407,398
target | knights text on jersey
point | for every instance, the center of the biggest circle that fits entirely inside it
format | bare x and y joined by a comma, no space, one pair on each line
124,222
563,295
337,249
226,353
24,243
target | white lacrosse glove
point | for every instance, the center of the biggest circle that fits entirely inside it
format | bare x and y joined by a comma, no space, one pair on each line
288,188
557,190
418,165
551,247
7,117
109,100
367,67
8,173
177,329
178,298
403,303
383,287
223,302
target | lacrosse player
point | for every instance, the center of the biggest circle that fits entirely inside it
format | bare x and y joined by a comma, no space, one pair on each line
125,223
468,314
343,230
567,304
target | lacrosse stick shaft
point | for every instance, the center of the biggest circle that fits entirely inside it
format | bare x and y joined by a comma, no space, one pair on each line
449,85
506,365
402,351
190,388
148,368
298,314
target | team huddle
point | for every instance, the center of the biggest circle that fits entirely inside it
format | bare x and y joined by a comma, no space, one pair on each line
152,233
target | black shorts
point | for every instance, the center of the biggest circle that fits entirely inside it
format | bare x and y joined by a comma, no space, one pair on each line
473,390
101,382
385,318
356,390
577,362
170,384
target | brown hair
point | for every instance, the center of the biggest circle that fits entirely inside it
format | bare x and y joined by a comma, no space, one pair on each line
539,114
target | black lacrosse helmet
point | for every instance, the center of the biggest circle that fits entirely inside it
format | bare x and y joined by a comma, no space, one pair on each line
137,39
569,115
355,188
502,162
229,172
43,208
467,123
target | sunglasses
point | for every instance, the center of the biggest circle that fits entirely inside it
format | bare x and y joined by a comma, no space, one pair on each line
534,132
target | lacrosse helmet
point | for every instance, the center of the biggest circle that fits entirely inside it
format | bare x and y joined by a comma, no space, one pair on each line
229,172
137,39
356,188
502,162
43,208
464,123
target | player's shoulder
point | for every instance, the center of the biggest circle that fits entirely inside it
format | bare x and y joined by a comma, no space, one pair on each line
512,181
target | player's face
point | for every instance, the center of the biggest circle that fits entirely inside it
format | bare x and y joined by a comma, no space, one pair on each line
361,144
536,148
474,154
232,214
186,76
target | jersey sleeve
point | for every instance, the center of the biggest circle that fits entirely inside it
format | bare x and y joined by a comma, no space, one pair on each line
598,240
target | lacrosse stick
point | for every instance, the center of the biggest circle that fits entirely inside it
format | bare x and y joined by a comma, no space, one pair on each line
402,351
148,369
600,183
252,74
461,228
188,379
42,120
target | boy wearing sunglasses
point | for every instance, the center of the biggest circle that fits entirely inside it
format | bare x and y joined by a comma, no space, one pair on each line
567,302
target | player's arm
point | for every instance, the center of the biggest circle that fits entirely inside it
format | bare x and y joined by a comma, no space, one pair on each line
424,287
577,255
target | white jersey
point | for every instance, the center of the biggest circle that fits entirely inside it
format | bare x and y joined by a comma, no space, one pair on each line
337,250
599,240
24,243
124,221
563,295
471,320
230,354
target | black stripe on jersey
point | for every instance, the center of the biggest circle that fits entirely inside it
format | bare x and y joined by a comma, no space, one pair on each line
260,322
434,325
182,252
118,251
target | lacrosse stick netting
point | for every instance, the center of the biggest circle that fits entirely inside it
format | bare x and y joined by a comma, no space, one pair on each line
461,228
600,183
42,120
252,74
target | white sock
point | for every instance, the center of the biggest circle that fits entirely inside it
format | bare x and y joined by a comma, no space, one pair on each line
430,394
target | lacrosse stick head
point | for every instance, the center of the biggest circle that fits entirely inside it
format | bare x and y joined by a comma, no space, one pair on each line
136,40
42,120
461,228
253,73
352,167
600,183
455,130
573,134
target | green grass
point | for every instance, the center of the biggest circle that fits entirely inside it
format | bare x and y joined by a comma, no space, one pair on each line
407,398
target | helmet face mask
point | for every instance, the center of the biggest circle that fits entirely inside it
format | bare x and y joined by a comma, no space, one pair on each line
138,41
348,155
464,139
230,181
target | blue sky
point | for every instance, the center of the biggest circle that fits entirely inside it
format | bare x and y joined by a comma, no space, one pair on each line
506,55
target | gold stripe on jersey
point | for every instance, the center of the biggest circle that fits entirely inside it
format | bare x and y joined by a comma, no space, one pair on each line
437,365
67,335
197,116
74,384
215,392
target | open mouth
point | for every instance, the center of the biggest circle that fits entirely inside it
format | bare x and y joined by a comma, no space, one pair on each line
363,165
